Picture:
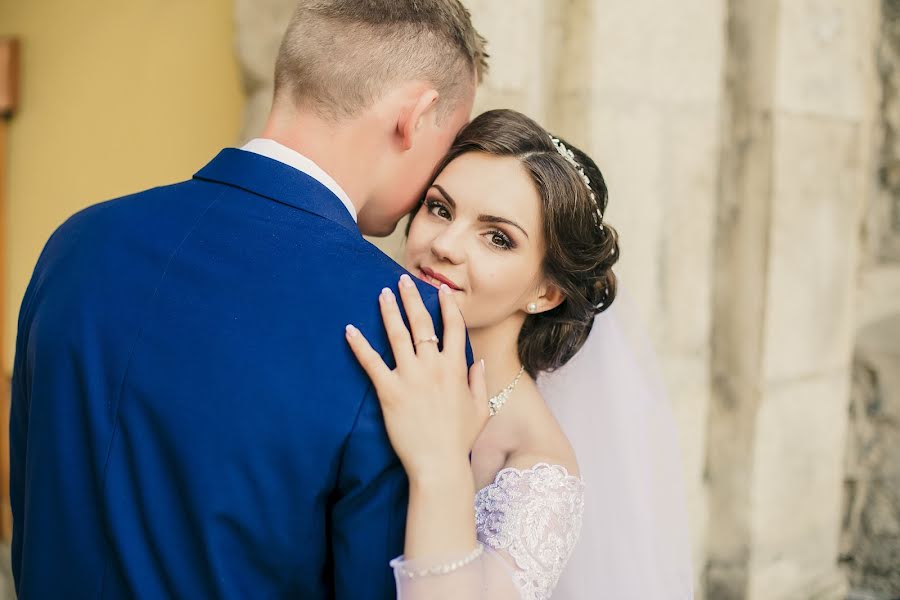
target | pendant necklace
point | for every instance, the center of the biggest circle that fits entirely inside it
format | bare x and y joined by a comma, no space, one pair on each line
495,403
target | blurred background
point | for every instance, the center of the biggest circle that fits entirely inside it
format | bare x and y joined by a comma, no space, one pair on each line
752,151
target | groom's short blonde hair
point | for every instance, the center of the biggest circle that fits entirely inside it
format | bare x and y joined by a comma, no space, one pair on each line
339,56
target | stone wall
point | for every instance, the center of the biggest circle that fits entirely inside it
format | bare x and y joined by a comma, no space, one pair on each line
871,543
259,26
871,535
795,168
884,218
736,137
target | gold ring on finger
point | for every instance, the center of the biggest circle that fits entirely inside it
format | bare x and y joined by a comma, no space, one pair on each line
427,340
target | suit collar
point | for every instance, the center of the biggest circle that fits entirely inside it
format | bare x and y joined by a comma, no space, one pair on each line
276,181
289,156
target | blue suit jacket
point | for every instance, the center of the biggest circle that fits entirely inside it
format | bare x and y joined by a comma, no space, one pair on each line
187,419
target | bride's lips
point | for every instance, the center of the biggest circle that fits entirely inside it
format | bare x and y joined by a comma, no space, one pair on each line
436,279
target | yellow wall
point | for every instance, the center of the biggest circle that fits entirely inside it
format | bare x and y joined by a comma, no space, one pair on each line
117,96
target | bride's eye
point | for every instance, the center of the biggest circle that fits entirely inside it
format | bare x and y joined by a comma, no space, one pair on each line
500,240
438,209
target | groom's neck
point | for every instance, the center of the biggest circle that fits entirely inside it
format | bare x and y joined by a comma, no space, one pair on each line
345,150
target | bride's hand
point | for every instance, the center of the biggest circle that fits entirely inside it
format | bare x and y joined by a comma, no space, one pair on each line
434,407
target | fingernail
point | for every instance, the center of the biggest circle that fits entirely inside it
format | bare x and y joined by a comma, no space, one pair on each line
405,281
352,331
482,365
445,289
387,294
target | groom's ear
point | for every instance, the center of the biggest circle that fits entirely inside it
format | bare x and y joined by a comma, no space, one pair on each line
419,106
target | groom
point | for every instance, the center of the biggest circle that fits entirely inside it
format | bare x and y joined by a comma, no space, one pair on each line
187,421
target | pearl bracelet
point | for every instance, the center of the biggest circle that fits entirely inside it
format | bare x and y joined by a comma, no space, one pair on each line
440,569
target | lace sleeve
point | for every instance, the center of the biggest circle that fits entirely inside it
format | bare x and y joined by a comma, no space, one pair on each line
528,522
533,519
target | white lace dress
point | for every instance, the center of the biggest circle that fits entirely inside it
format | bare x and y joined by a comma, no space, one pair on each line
528,521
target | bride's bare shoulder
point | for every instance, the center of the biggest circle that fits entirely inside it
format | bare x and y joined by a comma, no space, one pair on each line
541,440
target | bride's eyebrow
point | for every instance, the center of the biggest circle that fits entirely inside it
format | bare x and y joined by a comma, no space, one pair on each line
493,219
482,218
446,196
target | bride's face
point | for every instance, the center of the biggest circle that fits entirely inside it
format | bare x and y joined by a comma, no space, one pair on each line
479,231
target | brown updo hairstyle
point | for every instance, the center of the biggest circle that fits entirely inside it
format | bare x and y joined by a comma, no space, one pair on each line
580,249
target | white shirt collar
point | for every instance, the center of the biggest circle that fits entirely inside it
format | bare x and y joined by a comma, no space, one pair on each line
292,158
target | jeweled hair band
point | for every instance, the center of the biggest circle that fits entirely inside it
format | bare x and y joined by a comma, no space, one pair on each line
570,156
567,154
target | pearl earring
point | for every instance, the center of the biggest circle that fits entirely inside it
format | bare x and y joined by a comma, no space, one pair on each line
532,307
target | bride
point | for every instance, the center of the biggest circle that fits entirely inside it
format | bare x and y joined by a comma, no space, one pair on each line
575,439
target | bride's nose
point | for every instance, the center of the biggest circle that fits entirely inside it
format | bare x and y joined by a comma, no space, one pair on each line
448,246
